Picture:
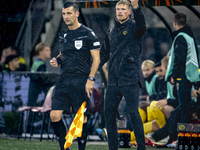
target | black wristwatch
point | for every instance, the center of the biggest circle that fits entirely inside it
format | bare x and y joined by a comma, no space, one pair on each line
91,79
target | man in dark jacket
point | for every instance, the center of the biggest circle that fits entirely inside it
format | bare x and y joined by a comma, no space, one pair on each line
160,84
122,48
182,71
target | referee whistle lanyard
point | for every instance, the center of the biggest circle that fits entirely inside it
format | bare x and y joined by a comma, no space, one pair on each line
76,127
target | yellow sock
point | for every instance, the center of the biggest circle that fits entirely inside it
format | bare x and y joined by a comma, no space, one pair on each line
157,114
143,115
132,136
147,129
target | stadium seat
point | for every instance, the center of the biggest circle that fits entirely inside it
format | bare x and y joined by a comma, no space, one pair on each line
45,108
22,110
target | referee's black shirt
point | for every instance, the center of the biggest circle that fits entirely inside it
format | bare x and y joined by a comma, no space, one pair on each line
75,47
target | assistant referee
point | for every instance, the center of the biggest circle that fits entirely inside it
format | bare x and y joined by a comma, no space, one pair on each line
77,45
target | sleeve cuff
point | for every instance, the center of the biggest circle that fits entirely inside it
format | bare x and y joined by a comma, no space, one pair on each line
58,60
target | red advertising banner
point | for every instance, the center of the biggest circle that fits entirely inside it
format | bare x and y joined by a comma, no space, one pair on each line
144,3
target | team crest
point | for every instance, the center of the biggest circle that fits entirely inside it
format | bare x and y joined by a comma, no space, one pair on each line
125,32
78,44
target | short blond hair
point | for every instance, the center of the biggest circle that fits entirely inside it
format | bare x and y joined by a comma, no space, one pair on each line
165,60
148,63
40,46
124,2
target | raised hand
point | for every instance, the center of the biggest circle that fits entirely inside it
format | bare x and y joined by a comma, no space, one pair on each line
134,3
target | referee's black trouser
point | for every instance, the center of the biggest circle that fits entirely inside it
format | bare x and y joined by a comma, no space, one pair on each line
113,97
182,113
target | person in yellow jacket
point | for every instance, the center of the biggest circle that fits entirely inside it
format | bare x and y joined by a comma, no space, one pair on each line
13,50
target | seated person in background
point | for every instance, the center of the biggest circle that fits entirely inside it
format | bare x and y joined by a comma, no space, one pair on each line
148,72
15,51
39,82
168,105
155,85
43,51
157,88
160,84
161,109
156,118
13,63
5,52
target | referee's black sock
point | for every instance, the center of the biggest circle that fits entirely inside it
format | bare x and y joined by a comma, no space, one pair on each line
60,131
82,140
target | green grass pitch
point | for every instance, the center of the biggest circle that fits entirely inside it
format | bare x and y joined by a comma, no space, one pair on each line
14,144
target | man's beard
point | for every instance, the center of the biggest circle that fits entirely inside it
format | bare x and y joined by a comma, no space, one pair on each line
123,19
161,77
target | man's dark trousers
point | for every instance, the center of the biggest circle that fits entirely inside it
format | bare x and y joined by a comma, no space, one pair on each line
113,97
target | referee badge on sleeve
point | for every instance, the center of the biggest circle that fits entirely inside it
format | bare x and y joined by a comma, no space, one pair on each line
78,44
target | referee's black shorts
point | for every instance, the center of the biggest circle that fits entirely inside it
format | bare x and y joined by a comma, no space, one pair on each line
69,94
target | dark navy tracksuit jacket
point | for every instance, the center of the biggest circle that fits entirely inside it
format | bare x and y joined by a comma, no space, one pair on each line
122,47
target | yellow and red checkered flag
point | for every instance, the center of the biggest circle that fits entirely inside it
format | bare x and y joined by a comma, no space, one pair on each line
76,127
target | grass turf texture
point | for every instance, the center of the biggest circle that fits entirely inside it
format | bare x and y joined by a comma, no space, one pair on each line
14,144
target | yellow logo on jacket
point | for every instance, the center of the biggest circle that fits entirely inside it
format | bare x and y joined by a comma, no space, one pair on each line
125,32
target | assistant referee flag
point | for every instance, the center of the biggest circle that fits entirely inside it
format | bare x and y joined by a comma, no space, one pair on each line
76,127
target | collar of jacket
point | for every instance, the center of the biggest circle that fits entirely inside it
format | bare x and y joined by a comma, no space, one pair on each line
186,29
39,59
148,79
123,25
